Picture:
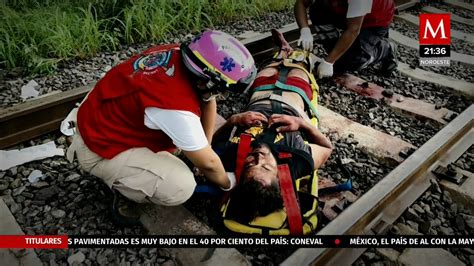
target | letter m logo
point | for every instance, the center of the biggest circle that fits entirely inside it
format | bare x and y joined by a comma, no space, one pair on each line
435,29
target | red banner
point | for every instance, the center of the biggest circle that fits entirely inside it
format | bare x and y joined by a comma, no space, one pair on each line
42,242
435,29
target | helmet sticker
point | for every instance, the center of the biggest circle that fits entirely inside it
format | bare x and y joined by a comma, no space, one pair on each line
150,62
227,64
234,50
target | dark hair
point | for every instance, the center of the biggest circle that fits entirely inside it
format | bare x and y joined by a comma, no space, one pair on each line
251,199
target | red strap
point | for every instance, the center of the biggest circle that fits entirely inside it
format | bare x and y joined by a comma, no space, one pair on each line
284,155
289,199
242,152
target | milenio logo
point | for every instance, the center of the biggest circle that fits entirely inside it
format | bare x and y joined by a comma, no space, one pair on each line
435,39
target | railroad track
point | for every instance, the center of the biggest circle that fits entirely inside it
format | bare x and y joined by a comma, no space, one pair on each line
388,199
370,213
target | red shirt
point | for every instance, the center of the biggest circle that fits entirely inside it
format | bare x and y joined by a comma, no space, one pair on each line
111,119
381,14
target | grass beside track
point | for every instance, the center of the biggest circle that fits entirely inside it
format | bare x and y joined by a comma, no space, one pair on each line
35,35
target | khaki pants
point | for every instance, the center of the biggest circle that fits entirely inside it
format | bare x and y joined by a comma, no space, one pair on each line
139,174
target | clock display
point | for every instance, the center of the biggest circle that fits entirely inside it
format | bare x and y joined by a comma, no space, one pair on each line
435,50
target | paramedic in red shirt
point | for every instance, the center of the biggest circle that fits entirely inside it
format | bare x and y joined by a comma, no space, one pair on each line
156,102
364,38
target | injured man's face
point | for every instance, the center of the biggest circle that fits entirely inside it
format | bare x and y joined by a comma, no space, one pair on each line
261,166
259,192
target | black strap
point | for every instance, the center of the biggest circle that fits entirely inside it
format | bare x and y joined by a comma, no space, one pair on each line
345,171
347,186
282,77
276,105
283,74
277,108
300,154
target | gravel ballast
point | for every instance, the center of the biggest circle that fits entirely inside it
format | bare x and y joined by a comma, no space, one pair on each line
69,201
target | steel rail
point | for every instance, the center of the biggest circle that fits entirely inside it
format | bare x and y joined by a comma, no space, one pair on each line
37,117
34,118
402,5
369,215
389,198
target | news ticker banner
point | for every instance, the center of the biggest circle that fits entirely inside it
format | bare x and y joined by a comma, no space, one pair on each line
168,241
435,39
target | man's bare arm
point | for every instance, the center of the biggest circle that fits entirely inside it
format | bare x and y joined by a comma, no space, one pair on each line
321,146
246,119
347,38
207,161
301,15
208,117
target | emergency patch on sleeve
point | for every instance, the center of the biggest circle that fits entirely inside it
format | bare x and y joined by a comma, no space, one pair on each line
151,62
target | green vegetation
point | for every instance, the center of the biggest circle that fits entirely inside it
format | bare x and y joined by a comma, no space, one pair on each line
37,34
